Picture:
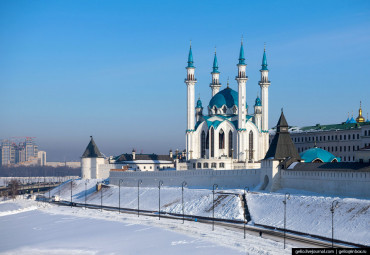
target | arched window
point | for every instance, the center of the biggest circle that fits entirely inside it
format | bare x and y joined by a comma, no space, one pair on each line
224,109
230,144
221,140
207,140
250,145
212,143
203,144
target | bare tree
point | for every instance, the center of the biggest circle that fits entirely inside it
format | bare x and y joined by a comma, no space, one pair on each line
13,188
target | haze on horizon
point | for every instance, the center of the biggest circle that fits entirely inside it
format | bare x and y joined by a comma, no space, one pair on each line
115,70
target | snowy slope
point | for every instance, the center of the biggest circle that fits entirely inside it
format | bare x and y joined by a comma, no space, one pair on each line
196,201
311,214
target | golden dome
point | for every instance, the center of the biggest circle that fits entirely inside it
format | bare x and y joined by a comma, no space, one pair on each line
360,119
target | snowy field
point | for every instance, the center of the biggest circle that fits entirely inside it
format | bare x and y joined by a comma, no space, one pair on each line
30,227
306,212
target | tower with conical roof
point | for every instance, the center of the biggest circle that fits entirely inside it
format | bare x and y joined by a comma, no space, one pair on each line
215,84
264,84
190,83
258,113
199,110
241,78
90,161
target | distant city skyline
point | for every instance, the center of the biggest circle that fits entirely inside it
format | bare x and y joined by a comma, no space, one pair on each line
116,69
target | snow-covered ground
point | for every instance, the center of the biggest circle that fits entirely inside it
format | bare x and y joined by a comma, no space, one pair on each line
196,201
306,212
49,229
311,214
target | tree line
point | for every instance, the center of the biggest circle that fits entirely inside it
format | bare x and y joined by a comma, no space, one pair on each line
33,171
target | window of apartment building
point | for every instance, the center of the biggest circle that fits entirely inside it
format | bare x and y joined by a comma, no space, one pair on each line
332,137
193,165
222,165
205,165
324,138
144,167
344,148
358,136
353,136
336,148
199,165
336,137
358,147
344,137
344,159
340,148
349,148
353,158
150,167
354,148
340,137
332,148
328,137
213,165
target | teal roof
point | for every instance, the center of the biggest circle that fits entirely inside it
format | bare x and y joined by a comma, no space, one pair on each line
228,97
241,55
190,58
199,103
347,120
264,61
312,154
258,102
352,121
215,65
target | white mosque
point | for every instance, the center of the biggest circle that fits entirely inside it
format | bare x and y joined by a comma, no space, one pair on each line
228,137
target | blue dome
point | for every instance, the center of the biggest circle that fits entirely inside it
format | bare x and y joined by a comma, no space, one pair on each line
199,103
226,97
315,153
258,102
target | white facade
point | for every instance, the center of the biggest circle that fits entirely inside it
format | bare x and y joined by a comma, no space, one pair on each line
227,133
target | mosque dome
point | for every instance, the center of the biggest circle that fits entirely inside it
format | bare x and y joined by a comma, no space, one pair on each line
258,102
318,155
199,103
228,97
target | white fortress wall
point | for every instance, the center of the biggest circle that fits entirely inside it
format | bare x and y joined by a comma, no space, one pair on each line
337,183
194,178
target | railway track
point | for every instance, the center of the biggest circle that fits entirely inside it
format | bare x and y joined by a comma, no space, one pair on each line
257,229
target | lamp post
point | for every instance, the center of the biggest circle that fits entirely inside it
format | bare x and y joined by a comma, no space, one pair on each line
215,186
71,191
119,195
85,192
101,197
138,196
287,196
184,184
246,190
59,191
334,205
159,199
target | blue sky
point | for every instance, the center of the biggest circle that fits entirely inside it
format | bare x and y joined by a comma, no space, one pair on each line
115,69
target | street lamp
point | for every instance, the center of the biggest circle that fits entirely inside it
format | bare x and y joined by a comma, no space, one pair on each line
71,191
287,196
246,190
101,197
215,186
184,184
334,205
85,192
138,196
159,199
119,195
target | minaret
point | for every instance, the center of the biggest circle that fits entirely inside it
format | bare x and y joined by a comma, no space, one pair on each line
190,83
199,110
258,113
264,84
242,111
215,85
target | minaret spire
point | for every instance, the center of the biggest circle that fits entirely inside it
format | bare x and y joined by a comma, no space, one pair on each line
264,84
190,84
241,78
215,84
